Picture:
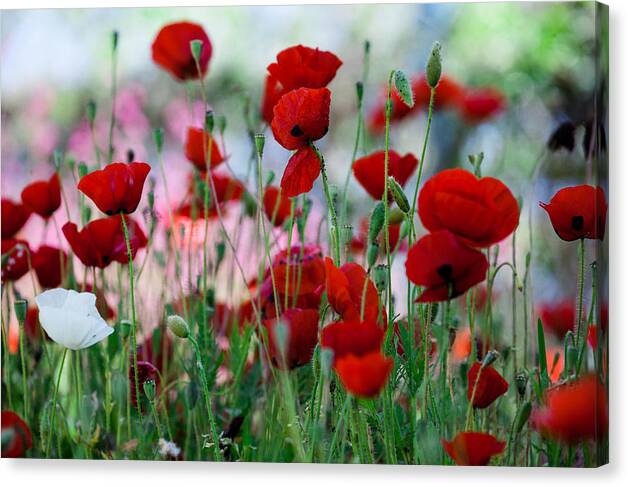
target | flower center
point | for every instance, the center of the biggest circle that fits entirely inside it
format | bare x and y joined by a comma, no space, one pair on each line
577,222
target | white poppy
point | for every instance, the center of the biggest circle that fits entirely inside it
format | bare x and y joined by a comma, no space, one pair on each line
71,319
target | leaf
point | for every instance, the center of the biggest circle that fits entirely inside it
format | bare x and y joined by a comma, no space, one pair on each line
403,88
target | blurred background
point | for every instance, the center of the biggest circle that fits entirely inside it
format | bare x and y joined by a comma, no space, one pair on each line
540,56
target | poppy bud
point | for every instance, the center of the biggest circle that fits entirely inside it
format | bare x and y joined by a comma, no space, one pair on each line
196,47
522,416
149,389
124,327
130,155
178,326
434,66
209,121
90,112
377,221
250,205
405,229
398,195
114,40
359,89
380,277
371,254
220,252
20,310
521,382
259,143
571,358
403,88
476,162
489,358
158,137
396,216
222,124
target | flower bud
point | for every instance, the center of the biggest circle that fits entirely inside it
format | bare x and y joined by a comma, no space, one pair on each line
220,252
20,310
124,327
250,205
222,124
403,88
521,382
90,112
398,194
114,40
377,221
158,137
380,277
178,326
489,358
196,46
396,216
433,67
371,254
359,89
476,162
209,121
149,389
259,144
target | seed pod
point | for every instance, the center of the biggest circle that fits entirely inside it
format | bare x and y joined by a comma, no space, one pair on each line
380,276
396,216
398,195
259,144
149,389
433,67
196,46
403,88
521,382
489,358
124,327
377,221
178,326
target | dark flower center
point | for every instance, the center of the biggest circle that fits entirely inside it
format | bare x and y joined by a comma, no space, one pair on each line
446,272
296,131
577,222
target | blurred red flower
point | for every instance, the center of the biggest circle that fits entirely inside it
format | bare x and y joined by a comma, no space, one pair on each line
349,286
101,241
481,212
399,110
304,67
276,205
592,336
117,188
290,266
448,93
478,105
301,116
14,216
359,241
301,337
558,317
578,212
364,376
197,148
273,91
369,171
300,173
490,385
49,264
444,265
470,448
14,259
573,412
16,435
145,372
171,50
352,338
43,197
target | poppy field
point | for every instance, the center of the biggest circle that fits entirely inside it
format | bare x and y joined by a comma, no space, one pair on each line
337,252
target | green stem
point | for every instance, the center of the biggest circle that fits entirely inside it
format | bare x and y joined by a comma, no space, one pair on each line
581,334
53,413
23,363
330,205
114,89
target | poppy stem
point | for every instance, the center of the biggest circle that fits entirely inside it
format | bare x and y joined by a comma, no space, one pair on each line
330,205
133,323
581,335
53,413
114,90
25,390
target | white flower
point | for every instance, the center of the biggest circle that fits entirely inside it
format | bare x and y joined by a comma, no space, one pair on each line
168,449
71,319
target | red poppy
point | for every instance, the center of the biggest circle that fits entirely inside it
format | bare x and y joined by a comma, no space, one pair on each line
302,337
290,266
49,264
479,105
461,348
352,338
301,116
304,67
117,188
276,205
470,448
369,171
444,265
171,50
558,317
349,286
573,412
481,211
197,148
555,362
270,308
489,386
31,324
273,91
300,173
43,197
448,93
578,212
16,435
14,216
364,376
102,242
145,372
14,259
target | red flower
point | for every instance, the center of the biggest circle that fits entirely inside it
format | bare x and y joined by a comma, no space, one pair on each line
369,171
448,93
31,324
276,205
145,372
481,104
304,67
481,212
16,435
399,110
558,317
364,376
469,448
101,241
302,337
171,50
116,188
272,93
14,259
346,291
301,116
14,216
573,412
489,386
49,264
312,272
578,212
197,148
300,173
440,262
592,336
352,338
43,197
